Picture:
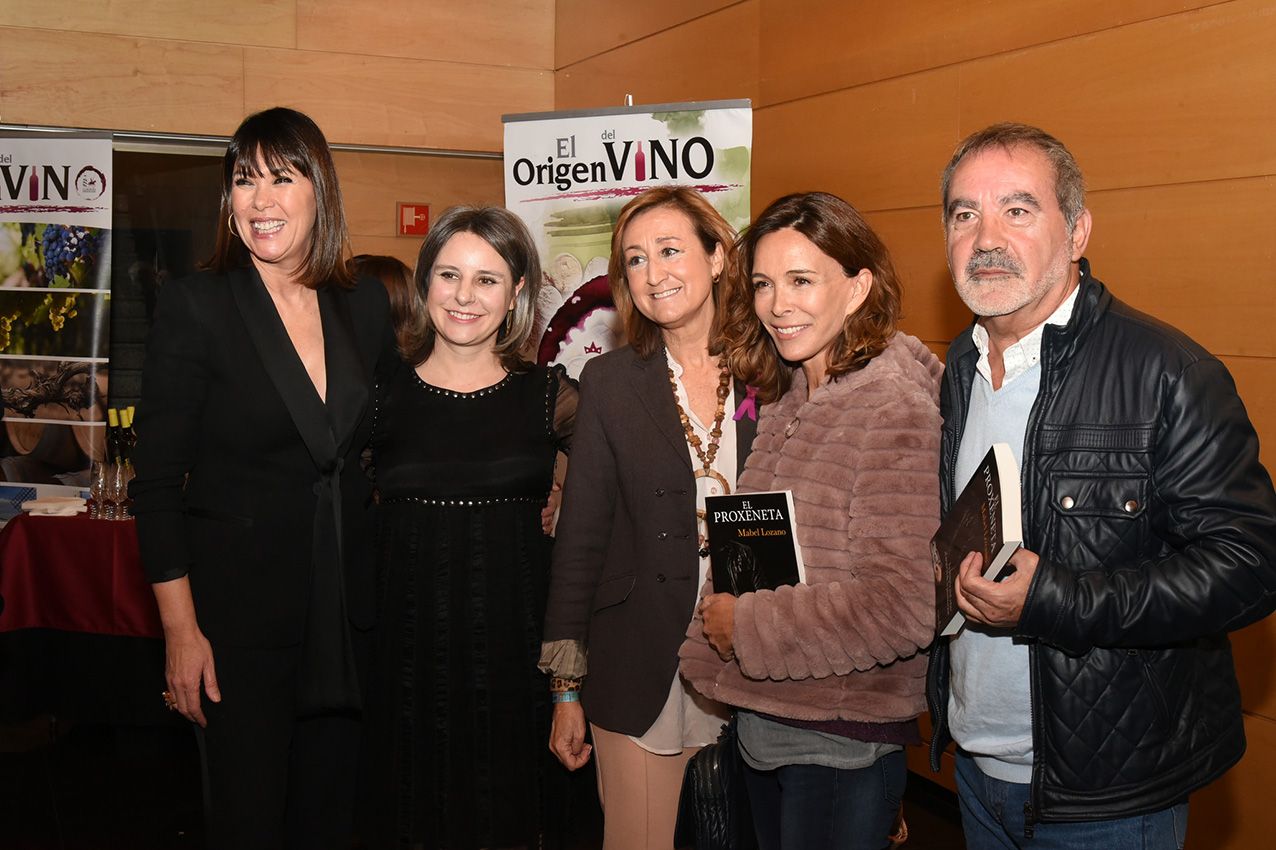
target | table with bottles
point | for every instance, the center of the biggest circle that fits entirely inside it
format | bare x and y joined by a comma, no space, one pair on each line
79,627
80,633
75,574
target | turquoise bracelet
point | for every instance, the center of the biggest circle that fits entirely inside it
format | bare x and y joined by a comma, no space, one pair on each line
567,696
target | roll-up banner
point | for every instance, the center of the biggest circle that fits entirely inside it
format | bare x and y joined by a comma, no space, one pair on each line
55,301
568,174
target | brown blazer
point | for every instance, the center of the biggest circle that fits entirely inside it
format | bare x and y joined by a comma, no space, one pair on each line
625,569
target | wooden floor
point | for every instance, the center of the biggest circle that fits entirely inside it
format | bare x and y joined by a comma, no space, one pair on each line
102,787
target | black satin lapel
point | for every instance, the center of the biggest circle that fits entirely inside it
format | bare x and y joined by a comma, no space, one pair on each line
746,427
655,394
347,390
285,368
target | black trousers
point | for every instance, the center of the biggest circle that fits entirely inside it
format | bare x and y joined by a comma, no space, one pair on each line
276,780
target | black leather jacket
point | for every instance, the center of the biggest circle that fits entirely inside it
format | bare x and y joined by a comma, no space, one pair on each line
1156,528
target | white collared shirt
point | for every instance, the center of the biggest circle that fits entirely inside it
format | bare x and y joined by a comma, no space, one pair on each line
1025,353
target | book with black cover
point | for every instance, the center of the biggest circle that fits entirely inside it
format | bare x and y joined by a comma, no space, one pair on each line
987,518
753,542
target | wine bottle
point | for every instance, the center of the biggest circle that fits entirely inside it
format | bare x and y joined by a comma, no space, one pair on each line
128,439
114,452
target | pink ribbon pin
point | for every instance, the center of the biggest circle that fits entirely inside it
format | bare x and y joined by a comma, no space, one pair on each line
748,407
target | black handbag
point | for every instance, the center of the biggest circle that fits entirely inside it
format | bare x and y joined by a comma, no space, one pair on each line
713,808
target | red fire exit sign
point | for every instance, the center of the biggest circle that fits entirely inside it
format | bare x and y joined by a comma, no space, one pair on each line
414,219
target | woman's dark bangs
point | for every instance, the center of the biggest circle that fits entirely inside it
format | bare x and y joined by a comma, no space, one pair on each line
277,157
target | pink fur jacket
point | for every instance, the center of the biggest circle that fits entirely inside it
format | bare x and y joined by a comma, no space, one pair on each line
862,459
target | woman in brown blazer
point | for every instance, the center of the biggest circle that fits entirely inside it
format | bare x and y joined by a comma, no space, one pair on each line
656,431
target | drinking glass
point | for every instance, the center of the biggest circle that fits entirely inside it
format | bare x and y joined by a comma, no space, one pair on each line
116,491
125,475
98,474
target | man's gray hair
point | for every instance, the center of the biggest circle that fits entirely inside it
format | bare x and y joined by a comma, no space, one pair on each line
1069,185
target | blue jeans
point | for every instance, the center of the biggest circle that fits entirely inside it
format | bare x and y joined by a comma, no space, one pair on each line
812,807
992,819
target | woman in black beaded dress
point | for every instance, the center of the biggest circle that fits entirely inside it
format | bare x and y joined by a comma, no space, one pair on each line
464,447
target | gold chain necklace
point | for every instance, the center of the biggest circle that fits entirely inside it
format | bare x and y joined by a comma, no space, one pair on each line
715,434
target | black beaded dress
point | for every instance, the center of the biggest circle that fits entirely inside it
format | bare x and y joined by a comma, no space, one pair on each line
458,714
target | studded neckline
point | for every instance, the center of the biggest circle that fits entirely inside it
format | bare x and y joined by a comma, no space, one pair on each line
455,394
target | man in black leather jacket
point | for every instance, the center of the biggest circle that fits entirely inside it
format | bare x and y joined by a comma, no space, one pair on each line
1093,690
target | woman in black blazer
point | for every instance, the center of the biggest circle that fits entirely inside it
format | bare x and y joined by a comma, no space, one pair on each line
627,564
253,514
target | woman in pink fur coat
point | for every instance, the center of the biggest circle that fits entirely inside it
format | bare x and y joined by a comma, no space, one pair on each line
829,676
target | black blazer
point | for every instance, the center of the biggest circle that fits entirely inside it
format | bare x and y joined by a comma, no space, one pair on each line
234,448
626,570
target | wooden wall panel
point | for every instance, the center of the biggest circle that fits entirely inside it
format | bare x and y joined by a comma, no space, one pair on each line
1187,255
372,184
404,248
1253,648
516,33
585,28
881,146
265,23
939,348
933,312
714,57
402,102
1174,100
816,46
1236,812
119,83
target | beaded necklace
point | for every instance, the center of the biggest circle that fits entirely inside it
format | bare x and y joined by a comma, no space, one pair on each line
715,434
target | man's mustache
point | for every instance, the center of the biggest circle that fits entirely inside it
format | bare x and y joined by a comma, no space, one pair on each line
996,259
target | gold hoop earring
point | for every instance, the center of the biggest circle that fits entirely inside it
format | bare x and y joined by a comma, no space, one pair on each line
230,223
509,322
715,279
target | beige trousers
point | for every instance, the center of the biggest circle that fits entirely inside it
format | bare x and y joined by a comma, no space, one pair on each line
638,791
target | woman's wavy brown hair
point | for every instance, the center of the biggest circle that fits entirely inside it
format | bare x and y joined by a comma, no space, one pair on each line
713,230
841,233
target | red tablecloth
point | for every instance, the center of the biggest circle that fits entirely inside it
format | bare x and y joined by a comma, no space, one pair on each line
75,574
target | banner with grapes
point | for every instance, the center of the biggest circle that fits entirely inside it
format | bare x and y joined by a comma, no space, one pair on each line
55,303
